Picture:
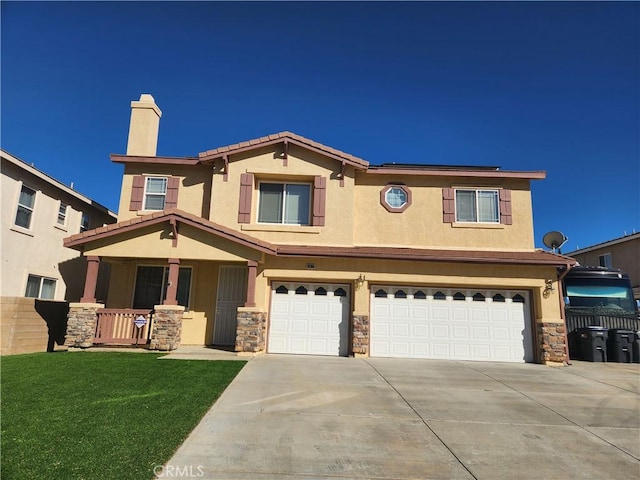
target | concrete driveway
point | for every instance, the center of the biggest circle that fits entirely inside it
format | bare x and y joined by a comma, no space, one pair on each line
321,417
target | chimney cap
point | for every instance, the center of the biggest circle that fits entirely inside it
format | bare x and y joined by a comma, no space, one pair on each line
146,101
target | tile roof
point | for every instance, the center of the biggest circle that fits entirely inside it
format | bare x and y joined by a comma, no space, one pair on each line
280,137
164,216
537,257
360,164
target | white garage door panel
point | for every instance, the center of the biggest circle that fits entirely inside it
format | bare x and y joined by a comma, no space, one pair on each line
306,323
490,326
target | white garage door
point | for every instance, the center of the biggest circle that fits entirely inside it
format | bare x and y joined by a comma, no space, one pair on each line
309,319
455,324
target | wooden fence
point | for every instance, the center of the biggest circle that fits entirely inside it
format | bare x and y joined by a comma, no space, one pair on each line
118,326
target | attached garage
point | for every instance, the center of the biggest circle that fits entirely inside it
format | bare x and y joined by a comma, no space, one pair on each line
456,324
309,319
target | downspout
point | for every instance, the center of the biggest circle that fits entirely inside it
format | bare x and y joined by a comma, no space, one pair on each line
562,315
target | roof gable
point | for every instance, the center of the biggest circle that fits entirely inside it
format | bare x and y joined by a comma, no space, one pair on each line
173,217
288,138
284,138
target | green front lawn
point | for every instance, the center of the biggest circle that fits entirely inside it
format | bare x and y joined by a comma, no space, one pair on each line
90,415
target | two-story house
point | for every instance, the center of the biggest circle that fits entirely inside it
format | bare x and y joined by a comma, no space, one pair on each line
284,245
38,212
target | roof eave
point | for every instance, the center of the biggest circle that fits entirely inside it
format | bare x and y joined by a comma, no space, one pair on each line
117,158
528,175
211,155
425,255
56,183
80,240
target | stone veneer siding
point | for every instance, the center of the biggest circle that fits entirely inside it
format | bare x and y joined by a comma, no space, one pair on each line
551,342
360,343
81,324
167,327
251,332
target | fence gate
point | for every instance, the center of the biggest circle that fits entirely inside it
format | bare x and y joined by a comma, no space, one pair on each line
118,327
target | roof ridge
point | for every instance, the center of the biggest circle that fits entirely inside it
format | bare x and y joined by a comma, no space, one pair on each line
273,138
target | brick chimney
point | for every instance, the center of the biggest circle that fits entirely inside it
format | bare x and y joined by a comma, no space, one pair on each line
144,127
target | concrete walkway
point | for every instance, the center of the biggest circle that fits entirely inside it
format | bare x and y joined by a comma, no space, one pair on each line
290,417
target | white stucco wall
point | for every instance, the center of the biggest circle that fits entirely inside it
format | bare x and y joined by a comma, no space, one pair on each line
38,250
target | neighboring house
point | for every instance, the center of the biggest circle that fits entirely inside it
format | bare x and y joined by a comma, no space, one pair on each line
38,212
622,253
281,244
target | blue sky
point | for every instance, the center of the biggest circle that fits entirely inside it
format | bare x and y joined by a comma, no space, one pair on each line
549,86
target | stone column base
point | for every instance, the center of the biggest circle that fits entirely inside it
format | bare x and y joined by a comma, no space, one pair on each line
551,343
167,327
360,335
251,330
81,325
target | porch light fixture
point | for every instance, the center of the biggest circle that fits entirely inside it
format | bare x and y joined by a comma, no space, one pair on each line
548,288
360,281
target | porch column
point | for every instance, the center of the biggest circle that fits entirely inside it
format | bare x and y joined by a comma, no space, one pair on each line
91,280
251,284
172,284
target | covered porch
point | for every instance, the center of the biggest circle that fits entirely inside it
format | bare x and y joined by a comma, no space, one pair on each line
173,280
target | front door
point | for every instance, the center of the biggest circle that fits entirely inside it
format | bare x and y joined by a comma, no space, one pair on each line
232,293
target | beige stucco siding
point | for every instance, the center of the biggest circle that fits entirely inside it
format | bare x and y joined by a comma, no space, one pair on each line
302,166
123,282
422,224
353,212
480,276
156,241
193,194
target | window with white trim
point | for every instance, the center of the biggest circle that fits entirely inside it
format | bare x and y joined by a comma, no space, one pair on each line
396,197
40,287
284,203
84,222
62,214
155,193
479,206
25,207
152,283
605,260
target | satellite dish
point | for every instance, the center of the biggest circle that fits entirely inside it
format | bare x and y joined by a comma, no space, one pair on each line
554,240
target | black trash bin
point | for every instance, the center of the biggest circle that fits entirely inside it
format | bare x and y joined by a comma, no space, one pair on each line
636,347
574,345
620,345
593,343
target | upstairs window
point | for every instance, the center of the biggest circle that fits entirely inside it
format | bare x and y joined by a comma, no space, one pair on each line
25,207
395,198
284,203
479,206
155,193
62,214
40,287
605,260
84,223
